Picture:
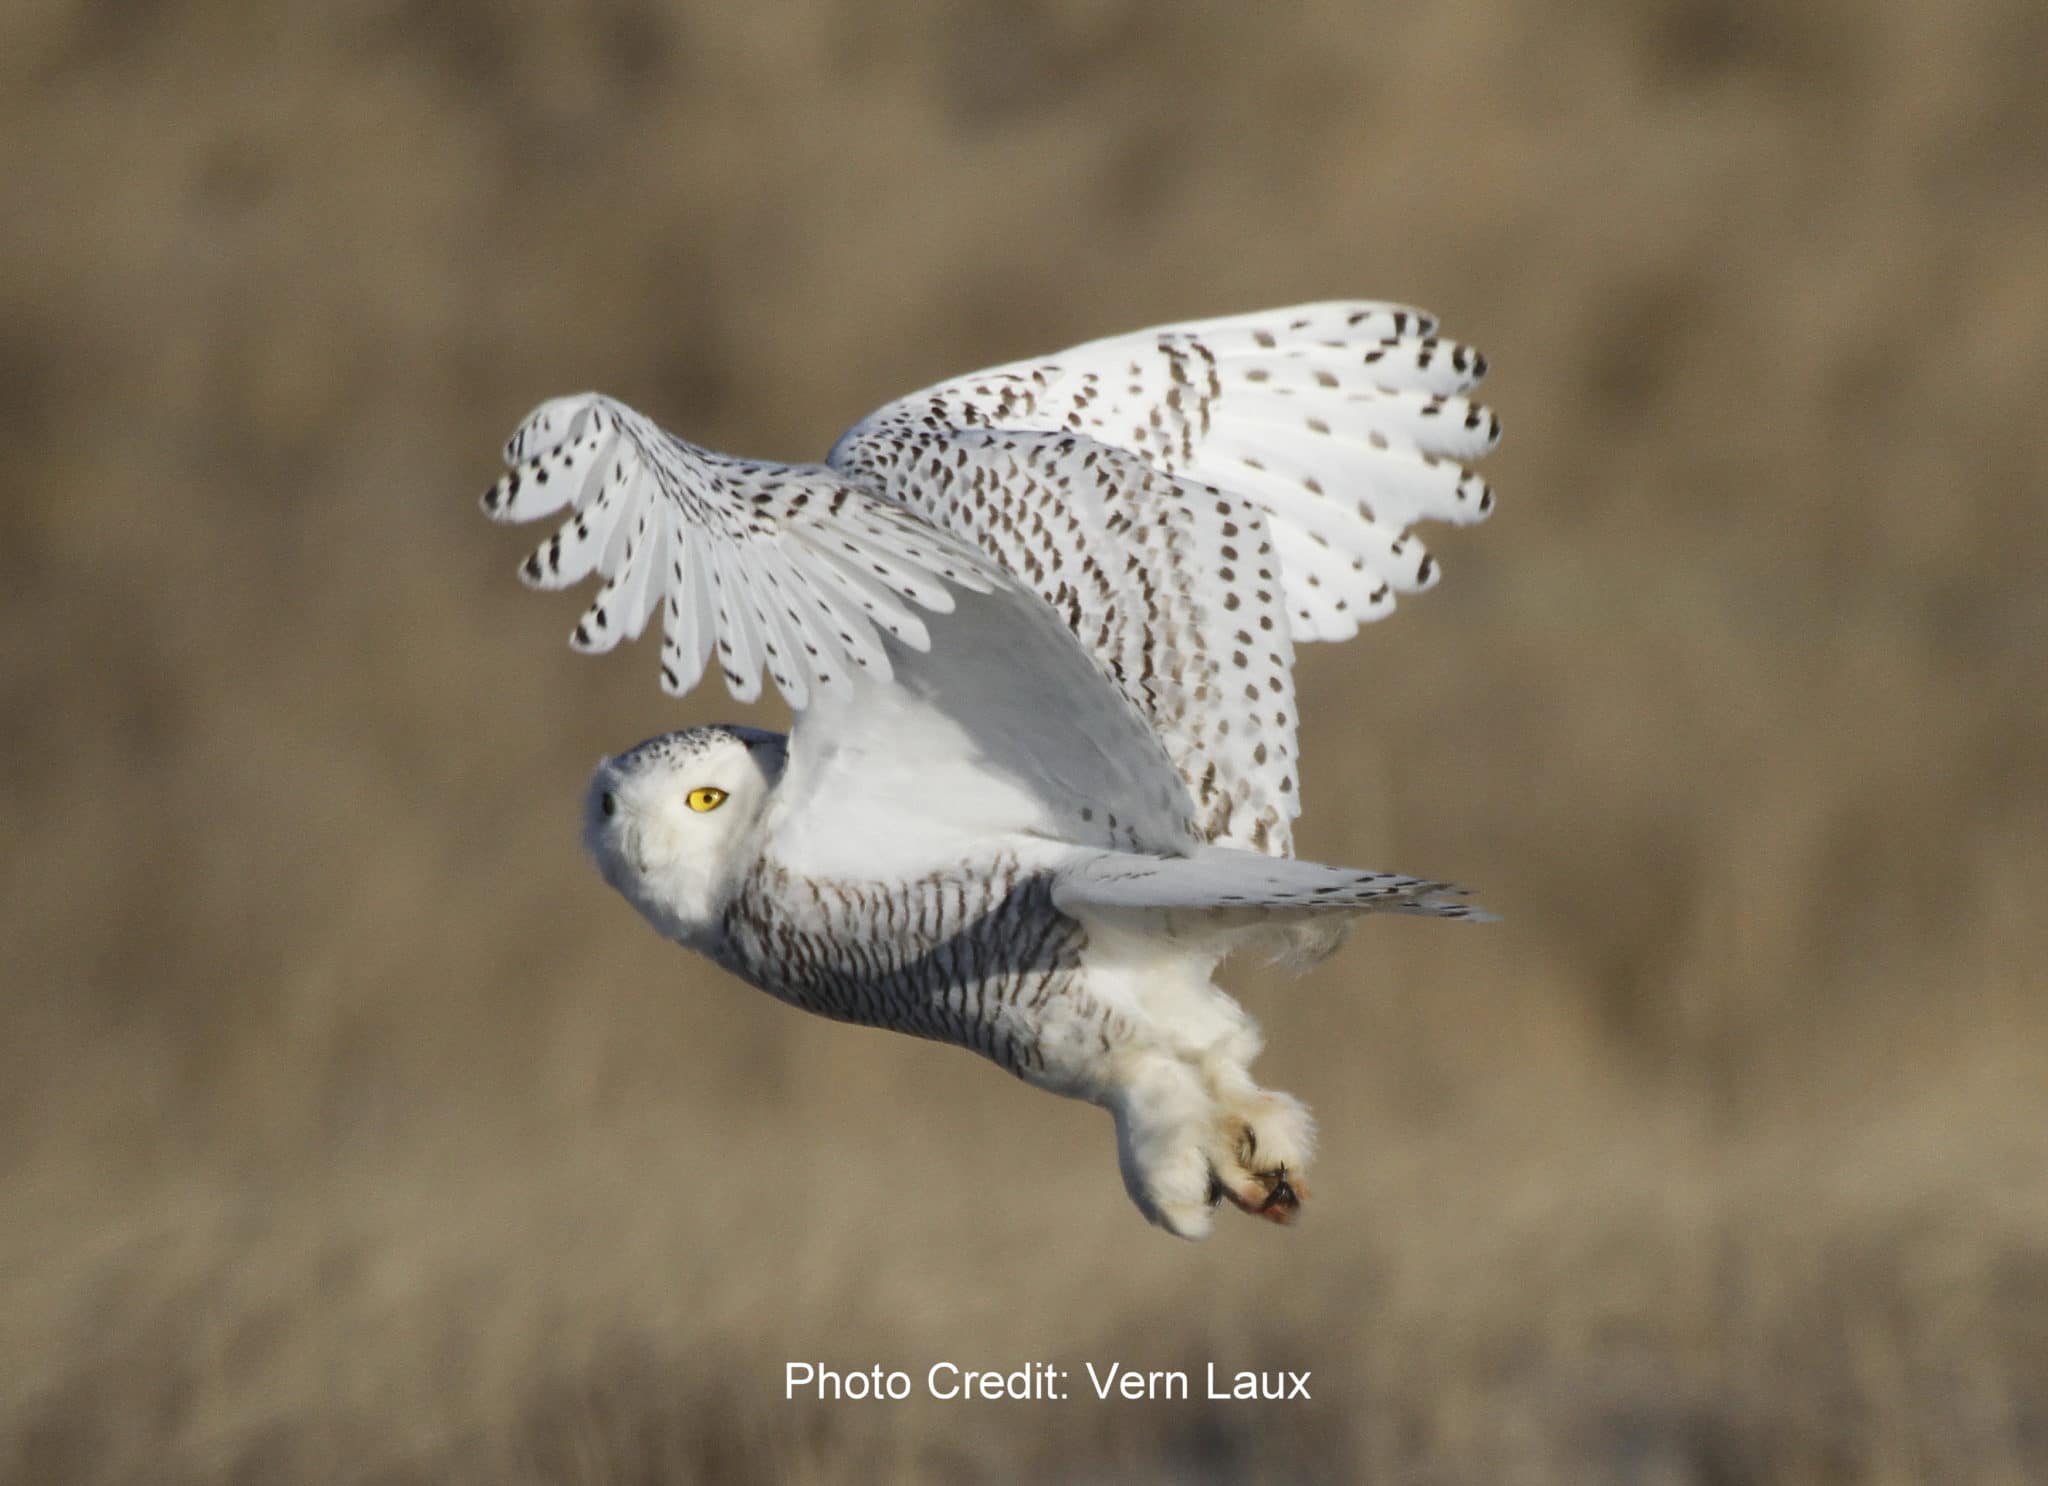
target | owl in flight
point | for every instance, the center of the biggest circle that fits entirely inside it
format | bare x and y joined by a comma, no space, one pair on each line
1037,626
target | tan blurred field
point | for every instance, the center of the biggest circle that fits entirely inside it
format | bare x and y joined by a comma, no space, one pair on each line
352,1131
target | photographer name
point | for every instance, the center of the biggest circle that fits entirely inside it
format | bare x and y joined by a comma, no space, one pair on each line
1039,1382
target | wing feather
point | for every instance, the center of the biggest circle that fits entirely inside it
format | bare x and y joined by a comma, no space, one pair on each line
994,720
1193,487
1168,511
690,623
874,600
789,569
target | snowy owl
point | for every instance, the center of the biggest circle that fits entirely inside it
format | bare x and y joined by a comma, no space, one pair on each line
1037,626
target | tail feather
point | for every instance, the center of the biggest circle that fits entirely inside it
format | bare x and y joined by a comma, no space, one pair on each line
1230,882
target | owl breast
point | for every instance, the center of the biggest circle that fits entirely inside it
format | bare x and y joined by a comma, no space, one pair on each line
975,955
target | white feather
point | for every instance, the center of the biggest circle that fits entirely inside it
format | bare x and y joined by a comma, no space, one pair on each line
1038,625
1228,880
1189,500
789,568
1337,425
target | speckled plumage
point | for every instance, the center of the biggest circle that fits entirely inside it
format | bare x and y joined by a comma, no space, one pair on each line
1038,627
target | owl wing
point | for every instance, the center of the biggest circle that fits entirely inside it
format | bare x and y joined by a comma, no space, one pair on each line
989,719
1195,499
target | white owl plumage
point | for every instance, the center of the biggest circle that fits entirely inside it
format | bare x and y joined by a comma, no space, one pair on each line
1037,626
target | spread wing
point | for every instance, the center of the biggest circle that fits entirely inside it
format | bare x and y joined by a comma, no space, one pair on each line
792,569
1196,498
1126,540
989,719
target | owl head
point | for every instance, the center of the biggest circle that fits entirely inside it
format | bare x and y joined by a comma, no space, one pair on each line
671,822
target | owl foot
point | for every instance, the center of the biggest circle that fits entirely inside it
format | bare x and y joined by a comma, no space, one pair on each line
1185,1144
1262,1185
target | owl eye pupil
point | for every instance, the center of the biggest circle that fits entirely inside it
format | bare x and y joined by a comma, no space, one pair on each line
609,804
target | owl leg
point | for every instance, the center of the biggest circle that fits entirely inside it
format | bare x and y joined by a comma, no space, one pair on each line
1165,1119
1261,1146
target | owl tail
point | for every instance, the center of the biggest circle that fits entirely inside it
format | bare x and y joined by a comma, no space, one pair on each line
1234,894
1229,880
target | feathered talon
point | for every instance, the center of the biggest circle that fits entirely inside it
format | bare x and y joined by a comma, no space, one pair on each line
1283,1202
1273,1195
1267,1187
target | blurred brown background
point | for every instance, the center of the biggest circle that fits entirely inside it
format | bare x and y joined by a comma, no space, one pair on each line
353,1131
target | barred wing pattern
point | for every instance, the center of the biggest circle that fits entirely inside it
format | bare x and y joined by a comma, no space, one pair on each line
1191,501
1194,498
793,569
1173,588
804,571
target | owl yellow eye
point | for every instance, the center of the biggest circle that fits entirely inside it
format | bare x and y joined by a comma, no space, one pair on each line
707,797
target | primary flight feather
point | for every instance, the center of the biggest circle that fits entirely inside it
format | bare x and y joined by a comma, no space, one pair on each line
1037,625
